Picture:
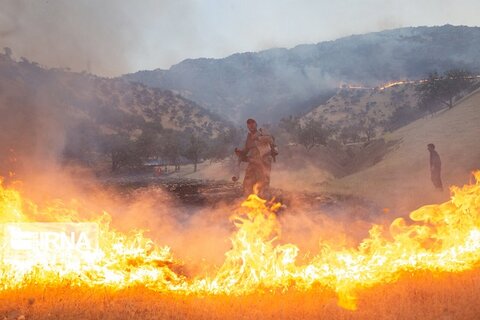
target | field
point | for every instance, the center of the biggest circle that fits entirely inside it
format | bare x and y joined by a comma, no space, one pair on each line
421,296
399,271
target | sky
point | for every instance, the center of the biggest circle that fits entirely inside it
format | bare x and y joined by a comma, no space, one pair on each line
114,37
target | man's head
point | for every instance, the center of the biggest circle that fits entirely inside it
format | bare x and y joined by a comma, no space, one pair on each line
430,147
252,125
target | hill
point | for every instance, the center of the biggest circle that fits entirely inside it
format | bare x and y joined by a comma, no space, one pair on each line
401,180
354,108
46,111
275,83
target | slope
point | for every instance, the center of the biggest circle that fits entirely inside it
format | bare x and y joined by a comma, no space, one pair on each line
402,179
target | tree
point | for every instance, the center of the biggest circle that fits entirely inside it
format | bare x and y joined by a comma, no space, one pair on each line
309,134
438,89
171,147
350,134
82,142
369,127
147,144
291,125
402,116
313,133
195,150
121,150
223,145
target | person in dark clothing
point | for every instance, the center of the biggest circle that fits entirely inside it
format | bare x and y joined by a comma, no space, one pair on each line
258,154
435,167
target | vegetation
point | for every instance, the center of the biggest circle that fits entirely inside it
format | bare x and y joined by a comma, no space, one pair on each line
402,116
292,79
166,146
120,123
122,151
195,150
98,121
441,90
414,296
350,134
369,127
312,133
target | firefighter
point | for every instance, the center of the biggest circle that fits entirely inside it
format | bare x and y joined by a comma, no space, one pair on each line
259,152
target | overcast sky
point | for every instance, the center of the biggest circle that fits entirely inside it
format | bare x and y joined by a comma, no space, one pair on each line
111,37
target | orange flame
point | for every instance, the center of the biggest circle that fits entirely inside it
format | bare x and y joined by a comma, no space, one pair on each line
440,238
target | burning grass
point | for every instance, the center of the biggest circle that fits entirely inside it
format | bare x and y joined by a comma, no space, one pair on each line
430,261
414,296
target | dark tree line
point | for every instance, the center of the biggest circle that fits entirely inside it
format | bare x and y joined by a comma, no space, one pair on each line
441,90
434,93
310,133
318,132
85,143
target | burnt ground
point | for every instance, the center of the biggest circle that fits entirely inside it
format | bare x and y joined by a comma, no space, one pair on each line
210,193
188,192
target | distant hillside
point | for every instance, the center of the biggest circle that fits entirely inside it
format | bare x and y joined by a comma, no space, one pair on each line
402,178
349,107
41,108
275,83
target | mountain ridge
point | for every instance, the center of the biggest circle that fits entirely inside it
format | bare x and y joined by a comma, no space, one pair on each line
272,83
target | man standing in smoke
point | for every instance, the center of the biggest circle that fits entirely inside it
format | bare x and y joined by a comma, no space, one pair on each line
435,167
259,151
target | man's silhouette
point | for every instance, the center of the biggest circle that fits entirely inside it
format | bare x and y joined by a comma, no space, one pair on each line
435,167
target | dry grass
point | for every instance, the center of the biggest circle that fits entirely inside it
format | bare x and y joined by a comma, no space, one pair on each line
420,296
403,176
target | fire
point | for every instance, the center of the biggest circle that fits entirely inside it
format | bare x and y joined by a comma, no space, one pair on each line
401,82
119,261
394,83
439,238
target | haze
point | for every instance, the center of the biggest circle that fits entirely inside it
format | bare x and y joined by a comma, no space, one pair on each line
114,37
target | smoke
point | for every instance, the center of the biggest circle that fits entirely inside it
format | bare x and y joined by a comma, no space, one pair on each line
36,110
34,132
101,37
32,129
114,37
108,38
198,236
